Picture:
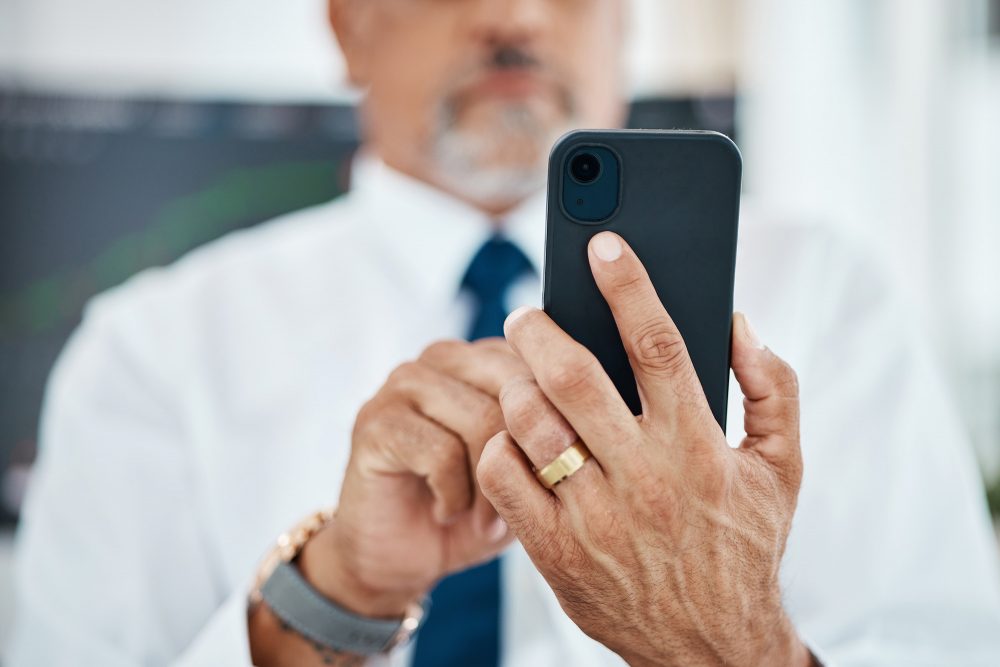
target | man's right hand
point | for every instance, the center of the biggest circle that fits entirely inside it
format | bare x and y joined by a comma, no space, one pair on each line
410,510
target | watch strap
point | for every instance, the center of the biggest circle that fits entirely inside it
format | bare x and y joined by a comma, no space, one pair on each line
315,617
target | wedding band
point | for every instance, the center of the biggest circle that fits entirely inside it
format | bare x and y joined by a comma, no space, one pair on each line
564,465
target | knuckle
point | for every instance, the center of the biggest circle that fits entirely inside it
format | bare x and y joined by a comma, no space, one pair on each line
447,455
517,383
570,377
488,415
404,374
491,344
365,413
494,477
501,353
520,404
650,485
489,472
628,283
374,421
441,349
659,348
378,428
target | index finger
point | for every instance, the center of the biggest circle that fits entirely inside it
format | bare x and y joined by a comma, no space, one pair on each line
655,347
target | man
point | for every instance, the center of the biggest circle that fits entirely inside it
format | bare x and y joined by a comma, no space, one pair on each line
205,408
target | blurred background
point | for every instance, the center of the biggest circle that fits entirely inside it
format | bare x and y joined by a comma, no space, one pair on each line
132,131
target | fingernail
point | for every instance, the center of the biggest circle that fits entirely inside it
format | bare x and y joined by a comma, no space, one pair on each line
607,246
516,315
498,530
751,335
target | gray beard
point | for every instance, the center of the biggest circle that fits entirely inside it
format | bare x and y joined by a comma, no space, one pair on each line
465,162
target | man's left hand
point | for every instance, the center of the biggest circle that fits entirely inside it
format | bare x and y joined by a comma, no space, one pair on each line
665,546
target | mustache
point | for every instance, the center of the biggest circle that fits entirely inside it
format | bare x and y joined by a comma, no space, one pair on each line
505,58
509,56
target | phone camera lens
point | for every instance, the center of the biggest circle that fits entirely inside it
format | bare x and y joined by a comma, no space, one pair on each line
585,168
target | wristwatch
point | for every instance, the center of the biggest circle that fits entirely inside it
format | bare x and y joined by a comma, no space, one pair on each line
308,612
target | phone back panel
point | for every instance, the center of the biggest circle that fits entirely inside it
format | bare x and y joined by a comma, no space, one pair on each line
679,210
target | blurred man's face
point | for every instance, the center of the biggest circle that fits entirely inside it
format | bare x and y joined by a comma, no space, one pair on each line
471,94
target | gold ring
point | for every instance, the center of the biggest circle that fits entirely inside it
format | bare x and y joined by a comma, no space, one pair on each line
567,463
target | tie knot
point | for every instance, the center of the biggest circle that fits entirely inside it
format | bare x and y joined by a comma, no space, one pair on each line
496,266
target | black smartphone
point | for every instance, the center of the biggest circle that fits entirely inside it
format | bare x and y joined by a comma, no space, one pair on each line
674,196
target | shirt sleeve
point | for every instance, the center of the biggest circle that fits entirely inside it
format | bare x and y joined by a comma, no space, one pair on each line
891,559
113,565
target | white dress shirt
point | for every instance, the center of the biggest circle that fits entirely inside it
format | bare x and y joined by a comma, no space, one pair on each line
203,408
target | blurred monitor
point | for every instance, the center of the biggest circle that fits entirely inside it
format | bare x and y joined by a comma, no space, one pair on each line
95,190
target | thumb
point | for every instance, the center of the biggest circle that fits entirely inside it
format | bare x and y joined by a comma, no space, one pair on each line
771,397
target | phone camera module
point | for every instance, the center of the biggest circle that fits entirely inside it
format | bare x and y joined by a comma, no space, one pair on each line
585,168
590,183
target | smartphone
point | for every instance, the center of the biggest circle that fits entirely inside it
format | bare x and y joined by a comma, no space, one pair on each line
674,196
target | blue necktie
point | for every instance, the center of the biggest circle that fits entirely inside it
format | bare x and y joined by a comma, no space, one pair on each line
463,627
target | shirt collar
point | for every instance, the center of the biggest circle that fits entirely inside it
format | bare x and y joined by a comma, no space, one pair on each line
432,236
